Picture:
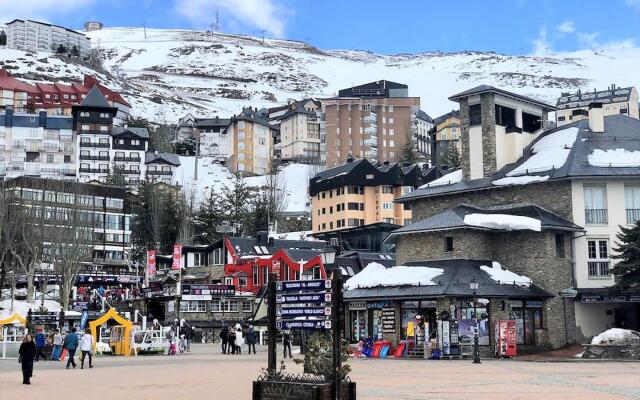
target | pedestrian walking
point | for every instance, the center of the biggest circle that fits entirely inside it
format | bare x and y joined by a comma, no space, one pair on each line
71,344
224,332
41,341
57,346
183,344
239,339
231,339
27,353
86,347
251,339
286,342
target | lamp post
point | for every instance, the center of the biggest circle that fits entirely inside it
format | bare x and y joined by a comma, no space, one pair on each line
473,285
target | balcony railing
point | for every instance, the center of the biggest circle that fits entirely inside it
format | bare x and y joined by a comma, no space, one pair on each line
93,144
94,170
159,172
127,159
596,215
598,268
131,171
633,214
94,158
94,132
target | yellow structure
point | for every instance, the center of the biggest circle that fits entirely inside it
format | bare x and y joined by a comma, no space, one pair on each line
15,317
123,347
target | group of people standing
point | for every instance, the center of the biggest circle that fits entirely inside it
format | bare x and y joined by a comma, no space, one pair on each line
233,338
63,346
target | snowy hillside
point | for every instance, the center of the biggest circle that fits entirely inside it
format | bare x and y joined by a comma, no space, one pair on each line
172,72
293,179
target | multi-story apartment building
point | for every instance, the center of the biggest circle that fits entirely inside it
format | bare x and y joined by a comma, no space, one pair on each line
104,210
39,36
251,138
371,120
127,154
93,124
575,106
421,126
301,126
584,172
93,26
205,136
445,133
160,167
360,193
37,145
56,98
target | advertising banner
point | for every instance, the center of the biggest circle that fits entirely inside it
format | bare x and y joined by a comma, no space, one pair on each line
151,262
177,255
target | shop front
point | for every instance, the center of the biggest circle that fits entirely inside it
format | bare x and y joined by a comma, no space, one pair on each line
598,310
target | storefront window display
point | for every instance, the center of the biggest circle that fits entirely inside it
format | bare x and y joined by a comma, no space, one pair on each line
528,317
359,320
408,312
377,324
464,315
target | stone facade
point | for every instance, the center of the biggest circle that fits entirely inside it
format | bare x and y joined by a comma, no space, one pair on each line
553,196
487,109
469,244
464,138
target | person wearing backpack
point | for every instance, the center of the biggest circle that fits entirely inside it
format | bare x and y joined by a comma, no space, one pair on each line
71,344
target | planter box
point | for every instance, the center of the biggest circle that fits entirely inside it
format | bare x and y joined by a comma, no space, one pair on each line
272,390
611,351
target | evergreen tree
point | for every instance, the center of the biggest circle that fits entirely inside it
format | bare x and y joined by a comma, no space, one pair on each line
208,218
74,52
408,153
260,215
116,177
61,50
627,270
3,38
452,158
236,202
160,139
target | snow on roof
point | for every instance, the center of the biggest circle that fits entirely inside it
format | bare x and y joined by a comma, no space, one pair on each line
448,179
551,151
520,180
503,221
617,336
504,276
614,158
376,274
299,235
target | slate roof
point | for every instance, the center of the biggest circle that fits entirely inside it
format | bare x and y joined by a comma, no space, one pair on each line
583,99
352,262
620,131
454,282
95,99
297,107
451,114
161,158
216,122
142,133
423,116
490,89
245,246
454,219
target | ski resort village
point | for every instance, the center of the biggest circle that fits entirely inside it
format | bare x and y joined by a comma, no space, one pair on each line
440,224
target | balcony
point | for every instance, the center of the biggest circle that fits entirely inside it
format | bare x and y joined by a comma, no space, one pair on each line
371,129
131,171
94,158
93,144
94,170
633,214
94,132
596,216
31,168
150,172
371,118
127,159
598,269
373,142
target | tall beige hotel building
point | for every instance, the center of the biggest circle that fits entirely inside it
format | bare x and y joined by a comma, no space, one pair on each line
373,121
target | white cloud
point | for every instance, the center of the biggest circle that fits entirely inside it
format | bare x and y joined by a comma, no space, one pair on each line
588,39
42,10
267,15
633,3
566,27
541,45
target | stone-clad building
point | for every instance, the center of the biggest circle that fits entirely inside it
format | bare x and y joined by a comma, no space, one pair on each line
585,173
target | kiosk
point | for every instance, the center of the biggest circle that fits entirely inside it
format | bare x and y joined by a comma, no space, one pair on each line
121,344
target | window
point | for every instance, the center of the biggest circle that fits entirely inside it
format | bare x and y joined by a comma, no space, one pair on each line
265,275
598,257
84,128
240,125
595,204
623,111
355,222
242,281
475,116
217,257
391,130
560,253
50,158
532,123
198,259
330,209
355,190
104,128
324,210
387,205
355,206
387,189
632,201
448,243
193,306
247,307
505,116
255,272
561,119
390,109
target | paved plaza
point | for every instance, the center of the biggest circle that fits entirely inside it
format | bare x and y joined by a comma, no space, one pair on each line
206,374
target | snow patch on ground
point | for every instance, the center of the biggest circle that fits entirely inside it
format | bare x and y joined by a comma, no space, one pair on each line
504,276
376,274
617,336
22,307
550,152
503,221
614,158
520,180
448,179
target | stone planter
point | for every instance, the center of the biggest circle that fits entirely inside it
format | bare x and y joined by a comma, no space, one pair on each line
273,390
611,351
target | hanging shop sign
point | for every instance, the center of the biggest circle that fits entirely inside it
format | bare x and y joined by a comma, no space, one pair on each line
207,290
151,262
45,318
177,255
379,304
304,298
533,304
568,293
305,325
303,312
311,285
388,320
358,305
629,298
410,304
428,303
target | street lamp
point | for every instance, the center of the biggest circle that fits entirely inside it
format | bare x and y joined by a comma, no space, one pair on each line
473,285
328,258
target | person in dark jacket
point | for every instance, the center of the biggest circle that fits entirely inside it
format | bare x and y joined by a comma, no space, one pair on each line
27,353
41,341
251,339
224,333
71,344
286,342
231,341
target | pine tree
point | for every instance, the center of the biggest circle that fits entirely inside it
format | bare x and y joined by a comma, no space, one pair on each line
452,158
627,270
61,50
74,52
116,177
208,218
3,38
236,202
408,153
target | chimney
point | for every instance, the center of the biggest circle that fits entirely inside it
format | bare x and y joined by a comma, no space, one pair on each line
596,118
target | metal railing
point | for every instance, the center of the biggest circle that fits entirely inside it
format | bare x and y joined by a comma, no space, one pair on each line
130,159
157,172
93,144
596,216
95,158
633,214
598,268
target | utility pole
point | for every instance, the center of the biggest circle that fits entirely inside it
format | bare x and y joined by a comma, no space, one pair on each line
262,32
144,27
271,323
217,24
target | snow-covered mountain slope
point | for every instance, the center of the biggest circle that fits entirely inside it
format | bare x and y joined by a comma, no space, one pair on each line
172,72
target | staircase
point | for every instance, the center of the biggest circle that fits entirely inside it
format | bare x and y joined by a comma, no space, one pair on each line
417,352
